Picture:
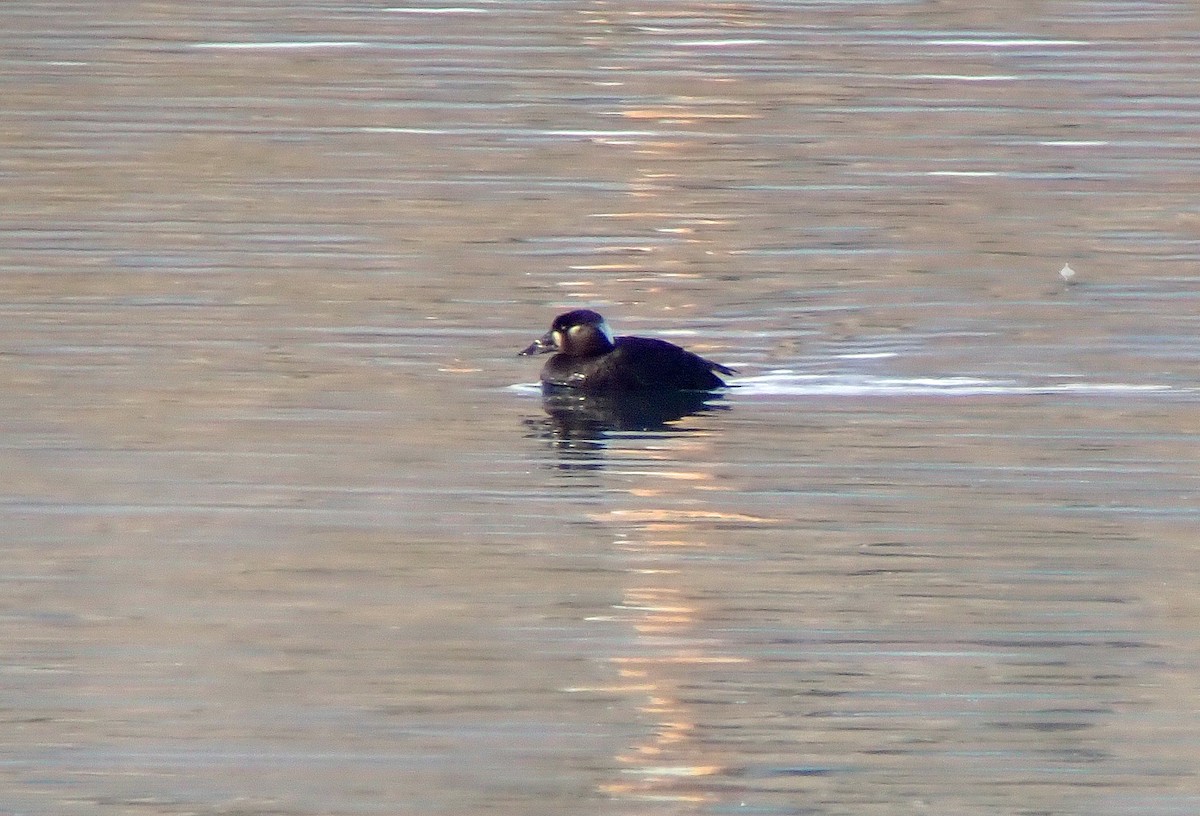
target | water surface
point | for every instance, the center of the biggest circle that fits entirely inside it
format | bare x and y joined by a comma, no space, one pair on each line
287,529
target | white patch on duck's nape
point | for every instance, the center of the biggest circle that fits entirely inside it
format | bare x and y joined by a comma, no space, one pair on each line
603,328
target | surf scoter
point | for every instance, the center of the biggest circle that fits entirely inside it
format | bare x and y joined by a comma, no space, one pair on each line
588,358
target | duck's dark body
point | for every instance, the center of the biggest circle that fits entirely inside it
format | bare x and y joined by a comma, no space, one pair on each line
635,364
589,359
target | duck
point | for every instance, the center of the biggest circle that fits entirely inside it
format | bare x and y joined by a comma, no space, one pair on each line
589,359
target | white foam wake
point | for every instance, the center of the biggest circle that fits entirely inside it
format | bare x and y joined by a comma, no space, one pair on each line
787,382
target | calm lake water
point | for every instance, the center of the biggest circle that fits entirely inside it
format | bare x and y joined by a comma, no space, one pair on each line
287,530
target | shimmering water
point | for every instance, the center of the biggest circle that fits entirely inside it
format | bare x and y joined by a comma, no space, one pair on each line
287,529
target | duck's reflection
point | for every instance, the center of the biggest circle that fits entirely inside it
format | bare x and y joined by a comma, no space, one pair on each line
578,426
577,414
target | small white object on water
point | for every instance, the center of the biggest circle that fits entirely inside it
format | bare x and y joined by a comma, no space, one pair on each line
1067,273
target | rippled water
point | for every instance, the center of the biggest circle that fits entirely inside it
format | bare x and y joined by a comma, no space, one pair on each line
288,530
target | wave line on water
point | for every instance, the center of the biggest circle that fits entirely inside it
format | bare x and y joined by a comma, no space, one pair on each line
280,45
787,382
1016,42
441,10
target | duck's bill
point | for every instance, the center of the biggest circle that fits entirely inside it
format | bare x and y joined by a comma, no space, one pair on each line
543,345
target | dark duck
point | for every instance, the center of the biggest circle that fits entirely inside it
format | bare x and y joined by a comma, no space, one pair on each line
588,359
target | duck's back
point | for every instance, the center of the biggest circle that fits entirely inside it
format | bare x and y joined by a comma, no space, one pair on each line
636,363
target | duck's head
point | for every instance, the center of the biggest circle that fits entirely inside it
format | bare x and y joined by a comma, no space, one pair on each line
581,333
